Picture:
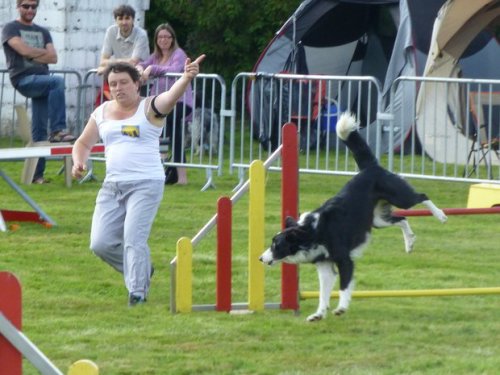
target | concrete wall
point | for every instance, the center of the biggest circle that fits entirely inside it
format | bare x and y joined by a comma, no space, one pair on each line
77,28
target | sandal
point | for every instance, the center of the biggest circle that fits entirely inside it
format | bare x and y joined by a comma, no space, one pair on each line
41,181
61,136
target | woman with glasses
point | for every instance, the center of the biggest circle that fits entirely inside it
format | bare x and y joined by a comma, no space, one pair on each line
168,57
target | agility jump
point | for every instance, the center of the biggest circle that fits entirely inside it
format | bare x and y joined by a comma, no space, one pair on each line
38,215
181,265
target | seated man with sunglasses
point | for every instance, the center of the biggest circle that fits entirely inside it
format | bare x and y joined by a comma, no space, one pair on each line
28,50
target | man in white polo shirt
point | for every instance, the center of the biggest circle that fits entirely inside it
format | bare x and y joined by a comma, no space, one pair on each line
124,41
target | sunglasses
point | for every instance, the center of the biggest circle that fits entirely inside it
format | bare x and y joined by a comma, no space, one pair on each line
28,6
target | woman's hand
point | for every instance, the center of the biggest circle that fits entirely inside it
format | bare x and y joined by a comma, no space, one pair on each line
166,100
139,68
191,69
78,169
147,72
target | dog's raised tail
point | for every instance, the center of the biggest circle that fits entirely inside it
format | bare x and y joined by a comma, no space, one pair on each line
347,130
346,125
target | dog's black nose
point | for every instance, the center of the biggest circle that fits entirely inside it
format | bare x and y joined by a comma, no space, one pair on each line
260,258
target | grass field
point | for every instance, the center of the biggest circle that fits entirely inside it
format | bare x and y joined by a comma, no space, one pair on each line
75,306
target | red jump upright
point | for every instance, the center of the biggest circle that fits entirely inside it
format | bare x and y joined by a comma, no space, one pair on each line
10,306
289,207
224,257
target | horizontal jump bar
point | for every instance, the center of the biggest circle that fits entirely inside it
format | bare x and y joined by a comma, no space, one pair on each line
450,211
410,293
42,151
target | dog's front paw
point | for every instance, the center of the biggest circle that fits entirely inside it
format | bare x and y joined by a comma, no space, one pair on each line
318,315
315,317
441,216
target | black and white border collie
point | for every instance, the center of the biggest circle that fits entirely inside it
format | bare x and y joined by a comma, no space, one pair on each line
337,231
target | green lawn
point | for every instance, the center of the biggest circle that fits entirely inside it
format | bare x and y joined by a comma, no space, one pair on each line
75,306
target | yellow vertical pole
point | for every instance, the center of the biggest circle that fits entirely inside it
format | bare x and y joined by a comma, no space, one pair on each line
256,236
184,276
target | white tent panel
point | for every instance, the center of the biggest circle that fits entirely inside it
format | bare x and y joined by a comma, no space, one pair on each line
457,24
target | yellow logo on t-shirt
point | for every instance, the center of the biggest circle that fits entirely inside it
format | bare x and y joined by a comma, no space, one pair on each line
131,131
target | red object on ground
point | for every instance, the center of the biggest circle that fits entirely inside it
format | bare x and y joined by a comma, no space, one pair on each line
9,215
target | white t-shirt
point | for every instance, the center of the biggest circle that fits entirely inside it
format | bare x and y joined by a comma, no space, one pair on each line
132,146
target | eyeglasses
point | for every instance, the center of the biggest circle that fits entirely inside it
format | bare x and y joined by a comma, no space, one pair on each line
165,36
28,6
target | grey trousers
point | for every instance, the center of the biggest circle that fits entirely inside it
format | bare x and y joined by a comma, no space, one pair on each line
123,217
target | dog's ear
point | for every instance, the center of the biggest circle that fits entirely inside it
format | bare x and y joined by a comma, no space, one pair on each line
300,237
290,222
308,220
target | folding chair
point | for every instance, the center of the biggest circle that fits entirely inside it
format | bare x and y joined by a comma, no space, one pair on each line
483,142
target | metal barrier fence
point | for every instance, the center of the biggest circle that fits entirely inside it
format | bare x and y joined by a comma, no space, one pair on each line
457,127
266,101
451,132
9,98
